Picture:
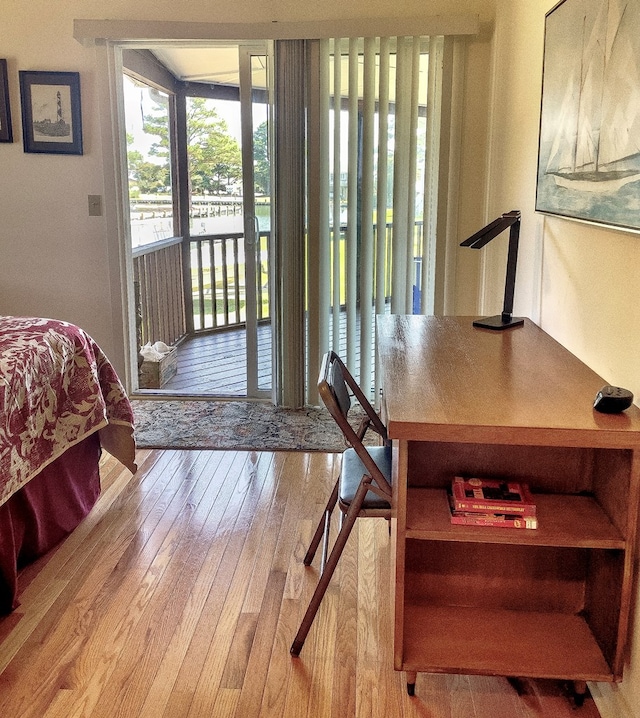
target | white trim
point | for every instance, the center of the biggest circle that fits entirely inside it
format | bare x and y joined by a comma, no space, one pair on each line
452,183
88,31
119,260
538,270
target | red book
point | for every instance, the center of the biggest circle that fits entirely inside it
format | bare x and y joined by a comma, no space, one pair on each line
489,496
496,520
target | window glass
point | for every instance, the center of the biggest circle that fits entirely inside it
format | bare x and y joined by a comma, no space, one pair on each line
148,162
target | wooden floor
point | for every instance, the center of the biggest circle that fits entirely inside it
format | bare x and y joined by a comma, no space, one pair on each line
181,592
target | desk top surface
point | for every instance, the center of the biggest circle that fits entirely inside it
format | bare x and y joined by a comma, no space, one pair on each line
445,380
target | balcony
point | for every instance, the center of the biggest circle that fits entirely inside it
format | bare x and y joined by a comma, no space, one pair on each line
207,325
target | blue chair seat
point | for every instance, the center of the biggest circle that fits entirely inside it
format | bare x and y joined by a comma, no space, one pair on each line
353,470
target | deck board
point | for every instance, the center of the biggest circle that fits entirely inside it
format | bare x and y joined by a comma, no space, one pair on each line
213,363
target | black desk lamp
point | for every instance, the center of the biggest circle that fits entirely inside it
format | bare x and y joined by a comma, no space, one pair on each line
484,236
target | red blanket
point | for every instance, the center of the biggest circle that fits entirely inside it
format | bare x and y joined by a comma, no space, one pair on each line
56,388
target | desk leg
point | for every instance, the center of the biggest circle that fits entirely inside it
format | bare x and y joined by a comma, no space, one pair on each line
579,692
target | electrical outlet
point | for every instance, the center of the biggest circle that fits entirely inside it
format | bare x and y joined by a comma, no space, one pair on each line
95,205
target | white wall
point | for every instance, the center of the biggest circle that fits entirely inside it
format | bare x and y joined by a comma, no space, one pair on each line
578,281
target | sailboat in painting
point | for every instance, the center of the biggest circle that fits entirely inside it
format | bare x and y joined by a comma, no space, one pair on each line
597,144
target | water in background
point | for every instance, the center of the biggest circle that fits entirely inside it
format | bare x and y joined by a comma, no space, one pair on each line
147,230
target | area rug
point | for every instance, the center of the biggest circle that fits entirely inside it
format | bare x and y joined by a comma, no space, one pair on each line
236,425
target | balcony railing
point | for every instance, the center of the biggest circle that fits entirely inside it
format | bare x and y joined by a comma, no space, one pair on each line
218,287
159,292
218,280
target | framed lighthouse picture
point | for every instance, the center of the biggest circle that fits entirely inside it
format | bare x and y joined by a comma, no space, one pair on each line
51,113
589,151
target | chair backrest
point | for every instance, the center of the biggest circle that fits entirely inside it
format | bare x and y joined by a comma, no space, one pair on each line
336,385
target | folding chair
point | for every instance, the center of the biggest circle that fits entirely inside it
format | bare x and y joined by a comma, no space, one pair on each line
363,487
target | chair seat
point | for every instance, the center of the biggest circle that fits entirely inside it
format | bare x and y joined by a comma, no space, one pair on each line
353,470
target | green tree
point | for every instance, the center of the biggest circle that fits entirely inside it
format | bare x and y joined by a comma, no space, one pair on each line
262,164
145,177
213,154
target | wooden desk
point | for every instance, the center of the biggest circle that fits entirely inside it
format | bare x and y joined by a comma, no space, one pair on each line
553,602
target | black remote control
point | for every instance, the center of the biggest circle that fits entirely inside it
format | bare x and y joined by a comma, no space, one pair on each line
612,399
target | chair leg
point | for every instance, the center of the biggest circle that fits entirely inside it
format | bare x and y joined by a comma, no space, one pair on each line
325,541
332,562
320,530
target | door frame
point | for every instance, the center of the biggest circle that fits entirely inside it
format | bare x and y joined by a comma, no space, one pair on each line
118,216
246,51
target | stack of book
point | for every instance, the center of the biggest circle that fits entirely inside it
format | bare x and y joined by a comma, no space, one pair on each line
487,502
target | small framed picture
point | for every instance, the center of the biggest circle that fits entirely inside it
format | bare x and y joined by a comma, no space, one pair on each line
5,109
51,114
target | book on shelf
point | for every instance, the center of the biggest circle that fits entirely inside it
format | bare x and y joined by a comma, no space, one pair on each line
467,518
491,496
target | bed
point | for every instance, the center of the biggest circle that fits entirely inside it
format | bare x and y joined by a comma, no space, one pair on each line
61,404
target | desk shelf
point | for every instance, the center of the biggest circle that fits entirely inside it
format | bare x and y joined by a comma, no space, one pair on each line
503,601
563,520
501,642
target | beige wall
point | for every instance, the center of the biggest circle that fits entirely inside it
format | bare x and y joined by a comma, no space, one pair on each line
578,281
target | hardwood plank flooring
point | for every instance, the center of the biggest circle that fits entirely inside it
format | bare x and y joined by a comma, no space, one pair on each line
179,596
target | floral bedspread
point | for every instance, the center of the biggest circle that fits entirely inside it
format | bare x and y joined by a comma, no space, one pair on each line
56,388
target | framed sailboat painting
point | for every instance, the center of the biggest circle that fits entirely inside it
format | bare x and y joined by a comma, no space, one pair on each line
589,151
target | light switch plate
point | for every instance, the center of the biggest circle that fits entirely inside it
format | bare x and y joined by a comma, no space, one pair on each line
95,205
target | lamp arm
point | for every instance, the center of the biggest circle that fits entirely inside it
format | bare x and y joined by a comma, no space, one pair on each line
484,236
512,260
492,230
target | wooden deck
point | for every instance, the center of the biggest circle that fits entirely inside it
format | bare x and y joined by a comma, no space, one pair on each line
215,363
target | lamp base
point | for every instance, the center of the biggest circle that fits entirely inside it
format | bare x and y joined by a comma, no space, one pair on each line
500,321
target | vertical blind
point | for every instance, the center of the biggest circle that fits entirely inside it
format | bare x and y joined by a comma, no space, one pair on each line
372,181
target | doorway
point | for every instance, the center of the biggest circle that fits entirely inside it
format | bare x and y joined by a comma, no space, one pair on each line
208,209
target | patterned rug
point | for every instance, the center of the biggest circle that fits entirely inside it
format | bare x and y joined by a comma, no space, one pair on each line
236,425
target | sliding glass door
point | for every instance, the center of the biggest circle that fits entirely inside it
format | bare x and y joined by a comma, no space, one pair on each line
200,213
230,251
256,183
354,186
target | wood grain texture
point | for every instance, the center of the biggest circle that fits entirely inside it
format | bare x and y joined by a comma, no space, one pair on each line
445,380
517,405
180,593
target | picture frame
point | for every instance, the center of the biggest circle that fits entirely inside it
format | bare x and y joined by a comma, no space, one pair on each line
51,112
589,144
6,134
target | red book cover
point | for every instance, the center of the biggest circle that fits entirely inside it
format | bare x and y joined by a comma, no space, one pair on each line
463,518
489,496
